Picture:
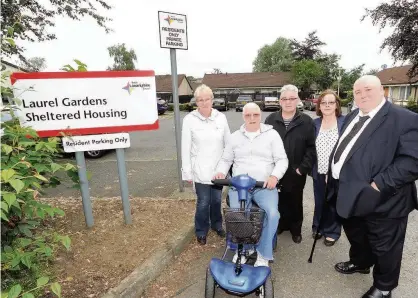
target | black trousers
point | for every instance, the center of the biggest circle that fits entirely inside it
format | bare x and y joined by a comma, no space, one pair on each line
377,241
291,210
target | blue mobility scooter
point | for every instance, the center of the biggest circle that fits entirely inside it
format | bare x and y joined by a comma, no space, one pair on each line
243,227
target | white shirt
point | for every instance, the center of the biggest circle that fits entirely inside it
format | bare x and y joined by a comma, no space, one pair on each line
252,134
336,168
202,143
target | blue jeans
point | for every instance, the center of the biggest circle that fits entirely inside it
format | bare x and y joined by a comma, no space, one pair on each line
330,223
208,208
266,199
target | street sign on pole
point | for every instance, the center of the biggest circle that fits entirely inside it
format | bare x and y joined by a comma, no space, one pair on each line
88,108
173,35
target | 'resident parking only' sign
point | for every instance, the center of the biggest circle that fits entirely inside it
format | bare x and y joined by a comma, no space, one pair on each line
96,142
81,103
173,30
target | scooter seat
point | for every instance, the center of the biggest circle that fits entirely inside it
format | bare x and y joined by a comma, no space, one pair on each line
247,281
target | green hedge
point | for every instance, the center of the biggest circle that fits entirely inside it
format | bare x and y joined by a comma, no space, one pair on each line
182,107
413,108
345,102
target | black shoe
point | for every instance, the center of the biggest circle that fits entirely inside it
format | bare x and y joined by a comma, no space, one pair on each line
376,293
350,268
297,238
221,233
329,242
317,237
201,240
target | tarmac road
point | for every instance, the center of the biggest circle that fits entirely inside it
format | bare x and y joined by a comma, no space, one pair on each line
151,163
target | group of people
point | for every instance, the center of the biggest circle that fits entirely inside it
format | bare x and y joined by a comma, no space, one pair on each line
364,166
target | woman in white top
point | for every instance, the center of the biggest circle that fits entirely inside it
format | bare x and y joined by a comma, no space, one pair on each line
204,135
327,129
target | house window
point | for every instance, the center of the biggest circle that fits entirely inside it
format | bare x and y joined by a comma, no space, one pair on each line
402,93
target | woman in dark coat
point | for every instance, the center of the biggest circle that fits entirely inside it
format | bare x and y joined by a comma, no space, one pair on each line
327,130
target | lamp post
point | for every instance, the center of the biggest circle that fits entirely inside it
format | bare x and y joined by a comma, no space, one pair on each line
339,80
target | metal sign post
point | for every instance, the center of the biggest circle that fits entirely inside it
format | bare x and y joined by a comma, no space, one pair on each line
84,185
177,126
80,144
123,182
173,35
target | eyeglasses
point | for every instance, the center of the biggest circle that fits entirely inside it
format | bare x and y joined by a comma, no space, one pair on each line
256,115
329,103
291,98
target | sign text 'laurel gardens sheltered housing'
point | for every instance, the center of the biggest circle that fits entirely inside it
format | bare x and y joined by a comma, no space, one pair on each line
87,103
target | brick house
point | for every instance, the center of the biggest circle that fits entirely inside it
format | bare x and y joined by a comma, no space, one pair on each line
256,84
165,89
398,86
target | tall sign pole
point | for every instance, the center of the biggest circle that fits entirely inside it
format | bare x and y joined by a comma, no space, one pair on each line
173,35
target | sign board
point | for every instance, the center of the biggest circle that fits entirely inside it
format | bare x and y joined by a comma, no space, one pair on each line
81,103
96,142
173,30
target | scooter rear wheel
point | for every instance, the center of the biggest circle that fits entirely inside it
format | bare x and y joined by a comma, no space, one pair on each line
210,285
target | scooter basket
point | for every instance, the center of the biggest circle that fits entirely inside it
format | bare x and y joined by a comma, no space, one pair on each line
244,226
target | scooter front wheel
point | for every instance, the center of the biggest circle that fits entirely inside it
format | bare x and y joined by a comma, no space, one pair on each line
210,285
267,290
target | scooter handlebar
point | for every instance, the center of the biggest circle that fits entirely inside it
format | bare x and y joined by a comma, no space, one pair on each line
227,182
259,184
223,182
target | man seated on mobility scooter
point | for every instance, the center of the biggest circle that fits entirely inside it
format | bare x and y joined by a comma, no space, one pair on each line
256,149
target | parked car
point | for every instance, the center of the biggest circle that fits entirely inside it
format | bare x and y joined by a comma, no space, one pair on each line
241,101
192,105
220,104
351,106
310,102
300,106
162,106
7,116
270,103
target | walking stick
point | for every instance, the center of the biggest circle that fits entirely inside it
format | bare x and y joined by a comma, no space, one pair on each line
320,222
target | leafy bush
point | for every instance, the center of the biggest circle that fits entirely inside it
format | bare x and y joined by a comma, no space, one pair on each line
413,108
345,102
29,165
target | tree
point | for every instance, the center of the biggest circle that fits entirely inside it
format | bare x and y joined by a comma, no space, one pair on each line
330,68
372,71
349,77
31,19
403,42
34,64
307,49
216,71
306,72
123,59
275,57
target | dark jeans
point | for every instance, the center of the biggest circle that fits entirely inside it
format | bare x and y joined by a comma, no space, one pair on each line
331,223
208,208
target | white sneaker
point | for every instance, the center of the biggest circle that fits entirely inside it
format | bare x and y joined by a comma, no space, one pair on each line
261,261
243,257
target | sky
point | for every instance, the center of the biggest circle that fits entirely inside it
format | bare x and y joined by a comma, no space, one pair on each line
221,34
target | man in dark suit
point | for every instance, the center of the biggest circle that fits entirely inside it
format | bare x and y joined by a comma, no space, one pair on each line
372,176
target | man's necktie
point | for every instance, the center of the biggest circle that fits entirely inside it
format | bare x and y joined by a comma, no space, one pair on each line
349,137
